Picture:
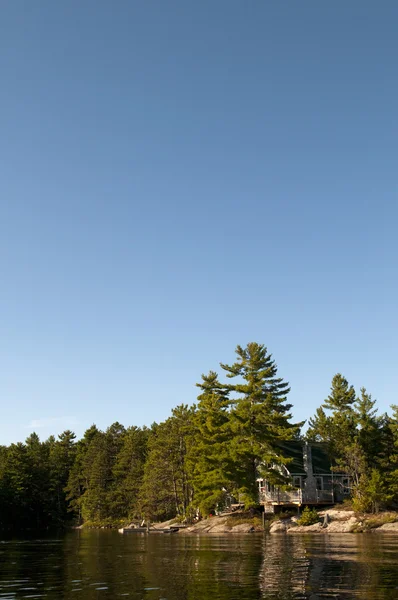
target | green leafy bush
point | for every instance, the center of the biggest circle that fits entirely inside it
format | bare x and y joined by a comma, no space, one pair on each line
309,516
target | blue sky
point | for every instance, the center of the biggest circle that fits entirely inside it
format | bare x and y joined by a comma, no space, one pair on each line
179,177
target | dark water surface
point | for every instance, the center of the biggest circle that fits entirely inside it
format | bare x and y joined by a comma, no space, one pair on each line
104,565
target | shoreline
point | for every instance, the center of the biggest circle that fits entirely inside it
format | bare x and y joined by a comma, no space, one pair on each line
331,521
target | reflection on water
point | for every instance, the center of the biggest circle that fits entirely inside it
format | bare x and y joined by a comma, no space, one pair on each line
106,565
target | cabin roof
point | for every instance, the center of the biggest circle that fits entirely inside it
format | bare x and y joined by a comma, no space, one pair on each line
294,450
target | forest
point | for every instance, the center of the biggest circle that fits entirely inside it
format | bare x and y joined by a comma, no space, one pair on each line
200,455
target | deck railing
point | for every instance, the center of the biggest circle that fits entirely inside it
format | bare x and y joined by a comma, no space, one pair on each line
296,496
279,495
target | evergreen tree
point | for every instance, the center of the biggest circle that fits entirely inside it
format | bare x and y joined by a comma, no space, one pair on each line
78,480
342,396
320,427
366,411
166,489
341,404
260,418
352,461
372,493
4,490
369,428
358,440
338,428
356,454
61,459
37,455
17,482
96,475
211,453
128,472
390,455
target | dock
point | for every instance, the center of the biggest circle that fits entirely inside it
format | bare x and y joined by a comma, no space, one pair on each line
149,530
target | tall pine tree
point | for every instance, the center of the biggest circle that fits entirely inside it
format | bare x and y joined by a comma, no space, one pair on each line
260,418
335,421
211,453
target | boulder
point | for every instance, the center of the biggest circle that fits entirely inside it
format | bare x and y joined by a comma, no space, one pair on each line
283,525
210,525
163,525
221,524
391,527
278,527
337,515
317,528
219,528
242,528
339,526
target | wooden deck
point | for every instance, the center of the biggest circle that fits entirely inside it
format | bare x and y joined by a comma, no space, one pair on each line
296,497
148,530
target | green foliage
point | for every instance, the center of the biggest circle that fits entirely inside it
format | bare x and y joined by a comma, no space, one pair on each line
319,427
254,521
335,420
166,489
342,395
201,457
309,516
107,473
61,459
32,478
259,418
128,473
210,454
361,444
372,493
379,520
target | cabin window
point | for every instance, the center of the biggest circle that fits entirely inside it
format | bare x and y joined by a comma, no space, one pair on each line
297,481
264,485
319,483
346,485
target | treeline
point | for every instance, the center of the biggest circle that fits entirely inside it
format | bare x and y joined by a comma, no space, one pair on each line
199,456
361,443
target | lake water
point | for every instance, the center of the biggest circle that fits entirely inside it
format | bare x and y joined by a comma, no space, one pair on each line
105,564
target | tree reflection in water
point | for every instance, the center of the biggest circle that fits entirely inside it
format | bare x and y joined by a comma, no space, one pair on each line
321,566
98,564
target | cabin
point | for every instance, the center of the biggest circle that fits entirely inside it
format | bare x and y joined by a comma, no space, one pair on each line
311,480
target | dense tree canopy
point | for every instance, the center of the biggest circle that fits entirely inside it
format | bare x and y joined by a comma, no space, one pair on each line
199,458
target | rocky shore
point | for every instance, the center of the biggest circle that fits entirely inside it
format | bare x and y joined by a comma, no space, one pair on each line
225,525
217,524
339,521
330,521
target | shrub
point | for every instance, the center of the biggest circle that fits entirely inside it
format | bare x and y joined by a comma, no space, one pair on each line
380,519
244,519
346,504
371,494
309,516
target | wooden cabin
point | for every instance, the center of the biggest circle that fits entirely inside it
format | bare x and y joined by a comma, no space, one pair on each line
311,480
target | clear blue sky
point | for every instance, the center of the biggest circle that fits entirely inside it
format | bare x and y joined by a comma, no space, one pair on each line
180,177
